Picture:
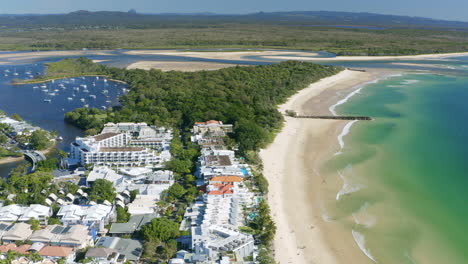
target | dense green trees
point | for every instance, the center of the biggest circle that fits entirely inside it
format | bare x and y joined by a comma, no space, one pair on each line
3,139
35,225
122,215
40,140
263,225
102,190
8,153
28,188
244,96
16,117
87,119
160,229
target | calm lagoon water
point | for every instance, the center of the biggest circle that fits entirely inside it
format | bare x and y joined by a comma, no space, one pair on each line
31,101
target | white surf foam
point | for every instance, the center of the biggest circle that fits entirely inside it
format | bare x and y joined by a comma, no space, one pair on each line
409,82
358,88
344,100
349,184
363,218
411,259
345,132
361,242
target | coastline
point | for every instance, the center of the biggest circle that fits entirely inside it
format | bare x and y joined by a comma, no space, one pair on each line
291,165
286,55
184,66
32,81
10,160
371,58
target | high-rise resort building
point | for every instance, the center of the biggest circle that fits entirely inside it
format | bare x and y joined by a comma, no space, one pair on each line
123,144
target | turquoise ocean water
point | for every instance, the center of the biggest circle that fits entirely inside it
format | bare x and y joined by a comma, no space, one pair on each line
405,174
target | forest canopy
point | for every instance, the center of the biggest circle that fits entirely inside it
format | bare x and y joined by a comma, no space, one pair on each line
244,96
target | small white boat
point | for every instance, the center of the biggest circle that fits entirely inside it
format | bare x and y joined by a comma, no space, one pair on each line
76,88
6,75
97,77
82,99
104,107
84,85
47,100
70,98
60,138
93,96
7,70
35,87
43,86
86,105
56,90
105,91
52,94
15,74
105,80
108,101
85,91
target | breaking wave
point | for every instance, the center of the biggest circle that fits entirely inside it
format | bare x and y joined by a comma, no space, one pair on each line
361,242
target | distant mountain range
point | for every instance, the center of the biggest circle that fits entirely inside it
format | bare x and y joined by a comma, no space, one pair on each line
132,19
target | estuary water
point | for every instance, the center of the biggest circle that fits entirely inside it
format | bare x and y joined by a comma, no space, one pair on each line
45,104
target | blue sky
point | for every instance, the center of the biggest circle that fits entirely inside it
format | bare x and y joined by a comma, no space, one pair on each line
447,9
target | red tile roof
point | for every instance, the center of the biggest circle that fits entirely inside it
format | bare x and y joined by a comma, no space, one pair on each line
209,122
7,247
222,189
23,249
226,179
54,251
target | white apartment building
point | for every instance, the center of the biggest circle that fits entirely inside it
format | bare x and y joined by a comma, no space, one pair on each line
19,213
95,215
211,128
214,222
123,144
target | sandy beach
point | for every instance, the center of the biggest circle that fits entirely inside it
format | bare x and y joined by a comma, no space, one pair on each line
370,58
10,160
291,165
185,66
285,55
221,55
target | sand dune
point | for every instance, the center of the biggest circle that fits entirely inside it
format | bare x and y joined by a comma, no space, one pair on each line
185,66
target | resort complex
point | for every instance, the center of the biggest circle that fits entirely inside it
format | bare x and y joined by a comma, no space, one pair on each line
123,144
129,163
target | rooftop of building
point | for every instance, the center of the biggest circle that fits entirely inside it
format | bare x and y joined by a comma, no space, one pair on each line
104,136
226,179
121,149
135,223
55,251
218,160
